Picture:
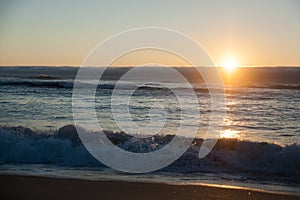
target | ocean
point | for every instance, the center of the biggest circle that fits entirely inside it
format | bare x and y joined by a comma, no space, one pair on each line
259,146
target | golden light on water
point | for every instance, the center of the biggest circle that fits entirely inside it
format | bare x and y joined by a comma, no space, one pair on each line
229,134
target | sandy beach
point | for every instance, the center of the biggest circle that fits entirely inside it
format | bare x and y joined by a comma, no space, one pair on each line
31,187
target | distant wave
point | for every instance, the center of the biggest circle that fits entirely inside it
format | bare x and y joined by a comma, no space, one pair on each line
276,86
43,77
38,83
51,82
63,147
69,84
249,75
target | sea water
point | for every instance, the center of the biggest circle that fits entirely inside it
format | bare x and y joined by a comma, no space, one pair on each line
258,146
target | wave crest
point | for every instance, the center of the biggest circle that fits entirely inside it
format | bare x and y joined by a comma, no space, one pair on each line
63,147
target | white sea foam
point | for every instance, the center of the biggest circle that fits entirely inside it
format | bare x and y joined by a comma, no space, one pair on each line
63,147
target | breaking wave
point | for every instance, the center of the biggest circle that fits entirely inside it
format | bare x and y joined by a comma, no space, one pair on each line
63,147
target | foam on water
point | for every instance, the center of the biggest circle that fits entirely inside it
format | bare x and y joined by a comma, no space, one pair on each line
64,148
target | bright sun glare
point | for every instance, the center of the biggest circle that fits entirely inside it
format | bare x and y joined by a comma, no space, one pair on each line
229,64
229,134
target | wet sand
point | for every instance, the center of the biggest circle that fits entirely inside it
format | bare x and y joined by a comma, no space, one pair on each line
31,187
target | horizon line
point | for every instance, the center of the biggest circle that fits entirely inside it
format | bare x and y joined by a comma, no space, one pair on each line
176,66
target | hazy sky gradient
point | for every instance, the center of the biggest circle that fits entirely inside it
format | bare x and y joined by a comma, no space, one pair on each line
61,32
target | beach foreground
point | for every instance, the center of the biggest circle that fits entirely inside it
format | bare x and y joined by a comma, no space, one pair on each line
30,187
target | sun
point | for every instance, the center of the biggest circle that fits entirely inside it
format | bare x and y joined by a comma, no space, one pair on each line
229,64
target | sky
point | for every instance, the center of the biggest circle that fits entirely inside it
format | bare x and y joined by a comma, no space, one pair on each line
63,32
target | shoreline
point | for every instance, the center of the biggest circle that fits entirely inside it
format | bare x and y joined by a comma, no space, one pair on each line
39,187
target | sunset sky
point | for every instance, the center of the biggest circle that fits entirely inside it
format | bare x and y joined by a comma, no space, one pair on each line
60,32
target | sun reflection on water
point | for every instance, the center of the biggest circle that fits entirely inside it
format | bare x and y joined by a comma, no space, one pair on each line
229,134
